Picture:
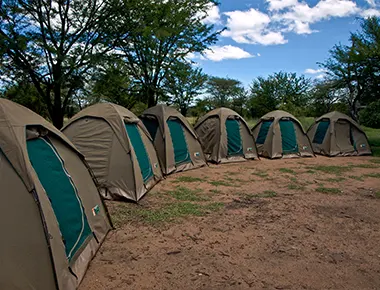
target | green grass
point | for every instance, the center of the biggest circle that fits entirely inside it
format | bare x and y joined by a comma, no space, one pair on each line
232,173
295,186
216,191
376,161
187,194
374,140
265,194
377,194
373,175
287,170
187,179
260,173
364,166
328,190
359,178
167,213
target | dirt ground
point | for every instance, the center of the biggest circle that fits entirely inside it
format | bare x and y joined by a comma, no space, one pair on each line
268,224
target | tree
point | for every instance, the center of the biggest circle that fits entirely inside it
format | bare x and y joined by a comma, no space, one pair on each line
55,44
161,34
281,90
183,84
355,67
223,90
113,84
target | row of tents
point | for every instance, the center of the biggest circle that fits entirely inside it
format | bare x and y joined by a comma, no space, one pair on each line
53,216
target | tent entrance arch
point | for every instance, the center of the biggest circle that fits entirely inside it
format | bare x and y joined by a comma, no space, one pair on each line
288,136
234,140
181,151
320,134
140,151
63,196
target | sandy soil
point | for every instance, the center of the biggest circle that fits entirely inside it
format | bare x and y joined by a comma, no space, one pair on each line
283,224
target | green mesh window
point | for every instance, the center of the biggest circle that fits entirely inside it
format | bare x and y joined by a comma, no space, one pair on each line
234,143
288,136
181,152
62,194
140,151
321,132
264,129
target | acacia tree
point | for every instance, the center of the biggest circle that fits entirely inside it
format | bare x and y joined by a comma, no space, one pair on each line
281,90
183,84
161,34
223,90
54,44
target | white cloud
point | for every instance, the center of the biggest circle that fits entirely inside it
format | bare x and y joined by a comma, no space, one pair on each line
252,27
370,12
371,2
219,53
213,15
321,76
312,71
259,54
275,5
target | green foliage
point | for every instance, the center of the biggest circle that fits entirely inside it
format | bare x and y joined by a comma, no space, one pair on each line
183,84
282,90
370,116
154,35
226,92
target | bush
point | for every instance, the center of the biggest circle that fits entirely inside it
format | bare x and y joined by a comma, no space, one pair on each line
370,116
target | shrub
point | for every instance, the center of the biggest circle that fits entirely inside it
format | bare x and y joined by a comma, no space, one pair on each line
370,116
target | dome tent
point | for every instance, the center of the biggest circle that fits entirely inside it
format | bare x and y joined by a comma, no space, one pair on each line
176,143
118,149
53,219
225,137
336,134
279,134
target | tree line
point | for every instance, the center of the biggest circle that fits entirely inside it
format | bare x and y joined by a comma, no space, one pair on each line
58,56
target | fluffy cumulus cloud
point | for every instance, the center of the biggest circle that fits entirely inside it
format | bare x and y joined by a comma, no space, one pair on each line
252,27
284,16
212,15
219,53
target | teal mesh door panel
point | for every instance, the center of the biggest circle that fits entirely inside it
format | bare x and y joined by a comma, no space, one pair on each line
181,152
140,151
264,129
288,136
321,132
234,143
62,194
151,125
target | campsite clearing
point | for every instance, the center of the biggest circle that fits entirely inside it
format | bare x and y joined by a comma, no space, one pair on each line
311,223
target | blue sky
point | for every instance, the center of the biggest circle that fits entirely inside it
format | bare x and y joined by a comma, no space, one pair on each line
266,36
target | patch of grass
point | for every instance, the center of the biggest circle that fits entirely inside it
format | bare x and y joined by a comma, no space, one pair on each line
374,140
359,178
295,186
293,179
337,170
188,179
338,179
265,194
365,166
310,171
167,213
260,173
287,170
373,175
377,194
186,194
376,161
216,191
328,190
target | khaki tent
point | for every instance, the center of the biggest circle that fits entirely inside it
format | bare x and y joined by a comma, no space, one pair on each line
176,143
52,218
279,134
336,134
225,137
118,149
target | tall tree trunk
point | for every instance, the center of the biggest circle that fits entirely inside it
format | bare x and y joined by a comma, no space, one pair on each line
184,110
151,97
